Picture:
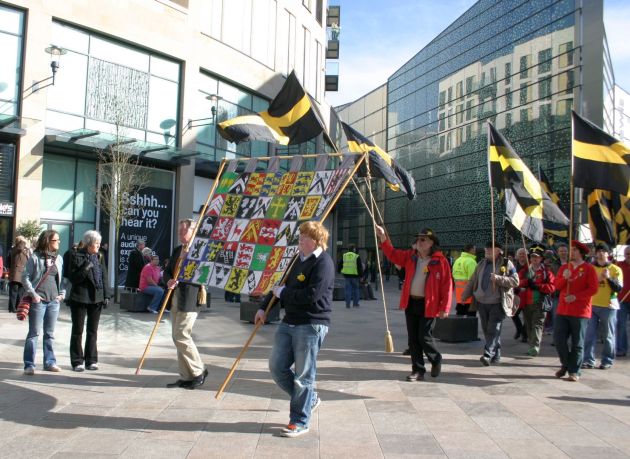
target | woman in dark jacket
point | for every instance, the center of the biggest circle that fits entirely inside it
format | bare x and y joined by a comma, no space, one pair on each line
90,293
19,257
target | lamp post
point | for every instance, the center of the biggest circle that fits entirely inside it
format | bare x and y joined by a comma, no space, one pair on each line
55,58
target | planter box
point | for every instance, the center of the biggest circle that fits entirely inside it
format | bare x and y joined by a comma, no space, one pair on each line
456,329
250,308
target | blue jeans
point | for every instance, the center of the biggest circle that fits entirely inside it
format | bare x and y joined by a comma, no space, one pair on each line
608,317
352,291
157,293
622,327
299,345
41,315
575,328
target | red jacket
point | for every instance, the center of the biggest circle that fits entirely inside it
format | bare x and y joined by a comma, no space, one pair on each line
438,288
542,282
583,284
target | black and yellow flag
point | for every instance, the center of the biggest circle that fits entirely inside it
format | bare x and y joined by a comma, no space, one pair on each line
292,118
553,229
381,163
599,160
600,217
506,170
609,217
514,213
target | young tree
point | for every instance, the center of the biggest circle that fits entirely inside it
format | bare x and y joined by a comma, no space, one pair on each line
30,229
121,176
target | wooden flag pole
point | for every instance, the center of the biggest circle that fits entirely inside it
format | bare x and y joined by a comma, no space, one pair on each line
271,303
389,342
178,267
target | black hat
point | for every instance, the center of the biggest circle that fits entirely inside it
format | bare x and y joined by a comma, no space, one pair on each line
602,246
537,249
428,232
497,245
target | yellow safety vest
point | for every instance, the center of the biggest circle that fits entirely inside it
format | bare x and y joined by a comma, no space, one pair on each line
350,264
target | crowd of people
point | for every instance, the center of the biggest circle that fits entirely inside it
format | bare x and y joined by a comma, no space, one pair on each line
576,294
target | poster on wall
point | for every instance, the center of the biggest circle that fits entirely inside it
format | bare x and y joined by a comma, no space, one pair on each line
148,216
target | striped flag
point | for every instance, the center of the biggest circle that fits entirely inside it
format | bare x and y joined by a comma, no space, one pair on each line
600,217
381,163
292,118
506,170
553,229
531,228
599,160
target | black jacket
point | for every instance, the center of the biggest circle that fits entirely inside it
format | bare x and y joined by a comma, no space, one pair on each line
307,293
81,276
185,295
136,263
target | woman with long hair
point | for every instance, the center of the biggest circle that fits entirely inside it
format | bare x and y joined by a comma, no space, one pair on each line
19,256
42,281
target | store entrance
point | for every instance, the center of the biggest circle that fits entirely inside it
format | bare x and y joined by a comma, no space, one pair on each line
65,230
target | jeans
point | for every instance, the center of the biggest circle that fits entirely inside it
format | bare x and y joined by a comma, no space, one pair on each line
157,293
352,291
79,312
491,316
41,315
566,327
622,327
299,345
608,317
420,336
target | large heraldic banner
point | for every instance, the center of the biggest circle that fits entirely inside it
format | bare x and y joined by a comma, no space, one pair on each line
249,233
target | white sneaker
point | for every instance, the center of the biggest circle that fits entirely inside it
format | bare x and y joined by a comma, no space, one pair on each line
92,367
78,368
29,371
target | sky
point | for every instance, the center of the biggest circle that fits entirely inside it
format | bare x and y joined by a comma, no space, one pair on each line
377,37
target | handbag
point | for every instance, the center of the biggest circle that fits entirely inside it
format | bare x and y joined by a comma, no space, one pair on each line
547,300
24,306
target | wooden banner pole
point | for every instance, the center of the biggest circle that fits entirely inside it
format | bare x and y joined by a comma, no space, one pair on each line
178,267
273,300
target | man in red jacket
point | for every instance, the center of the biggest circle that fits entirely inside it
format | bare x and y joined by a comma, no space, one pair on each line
577,282
426,294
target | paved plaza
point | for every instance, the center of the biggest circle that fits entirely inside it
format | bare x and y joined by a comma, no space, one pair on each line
516,409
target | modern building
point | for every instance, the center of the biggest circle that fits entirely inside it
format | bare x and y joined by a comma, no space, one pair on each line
617,113
522,66
150,77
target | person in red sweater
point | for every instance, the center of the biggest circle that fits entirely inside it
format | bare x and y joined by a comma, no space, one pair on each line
426,294
577,282
624,306
535,281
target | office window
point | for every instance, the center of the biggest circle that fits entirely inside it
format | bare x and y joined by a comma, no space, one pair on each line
459,89
508,99
544,60
566,54
524,94
508,120
442,98
563,107
508,72
525,63
460,114
566,81
441,123
469,110
544,88
470,84
450,95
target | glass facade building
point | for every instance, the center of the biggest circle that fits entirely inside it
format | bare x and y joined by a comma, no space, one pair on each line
518,64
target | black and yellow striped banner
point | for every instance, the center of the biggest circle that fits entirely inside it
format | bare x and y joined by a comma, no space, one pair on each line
381,163
508,171
291,118
599,160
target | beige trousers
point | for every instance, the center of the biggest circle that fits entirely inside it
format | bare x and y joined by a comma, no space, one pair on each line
188,358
